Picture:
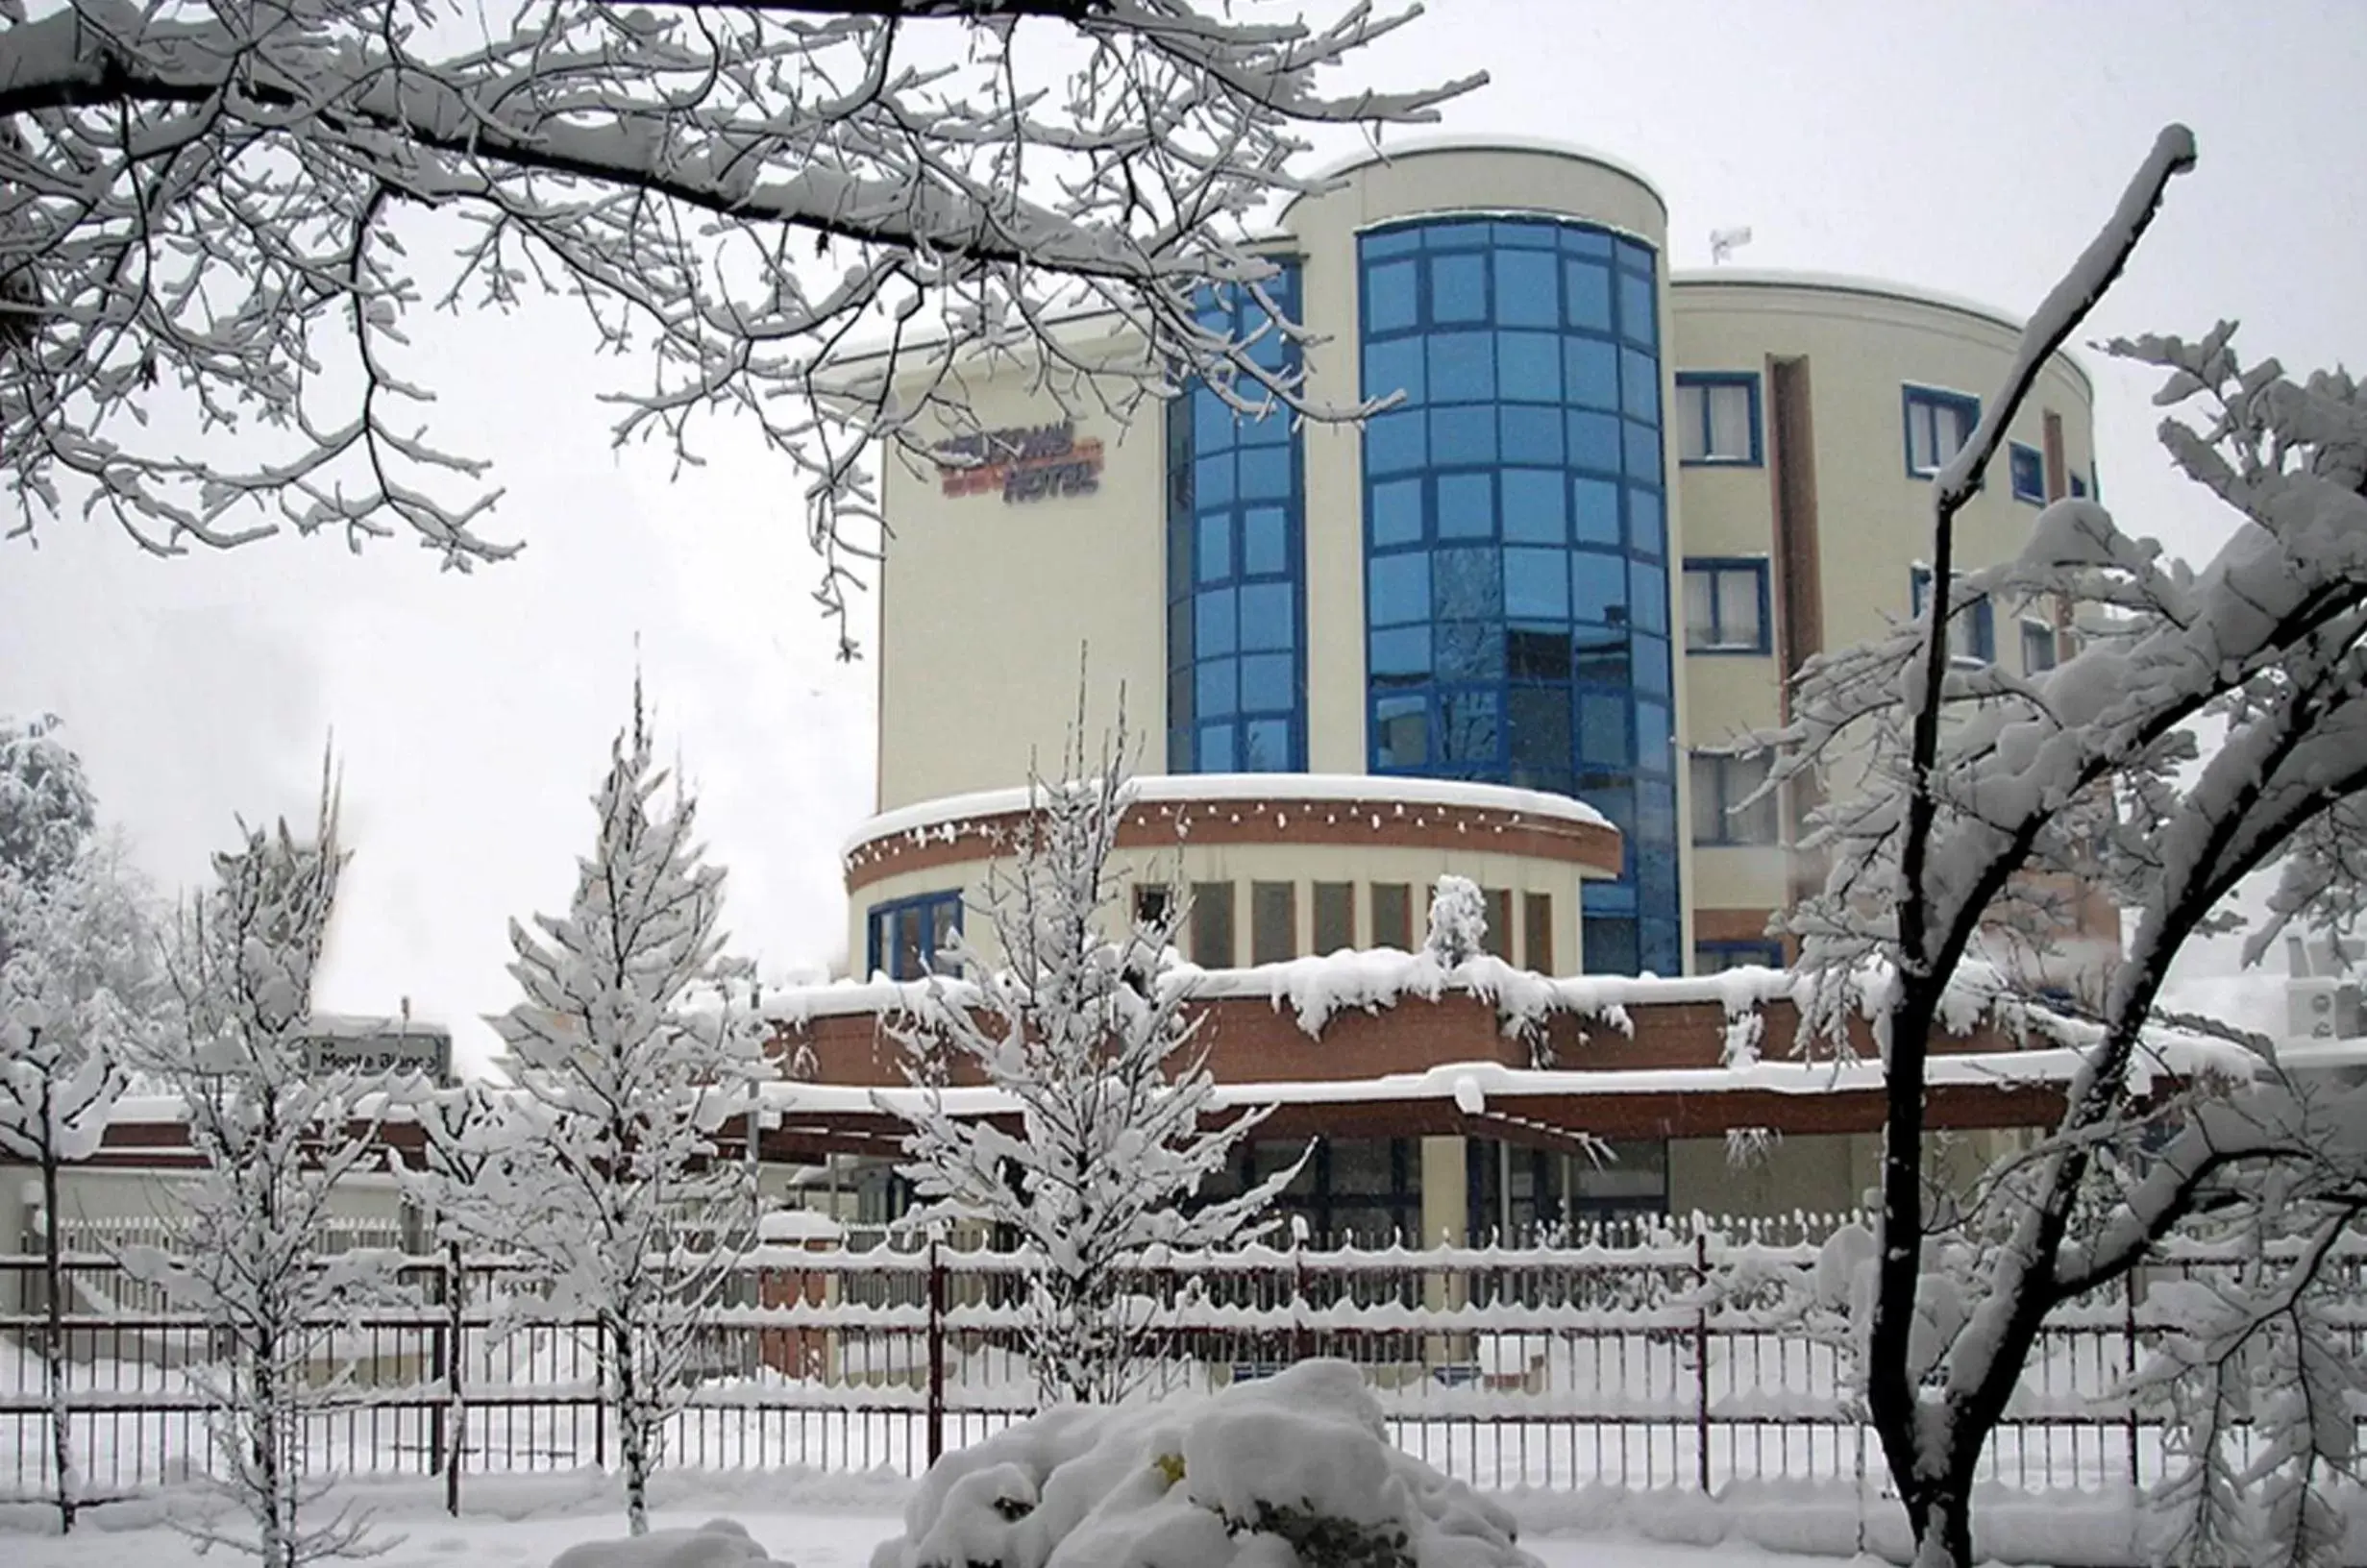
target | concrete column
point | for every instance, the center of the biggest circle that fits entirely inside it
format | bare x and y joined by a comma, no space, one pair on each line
1446,1217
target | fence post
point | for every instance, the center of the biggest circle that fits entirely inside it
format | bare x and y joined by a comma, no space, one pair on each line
455,1401
936,1346
1701,1359
2129,1366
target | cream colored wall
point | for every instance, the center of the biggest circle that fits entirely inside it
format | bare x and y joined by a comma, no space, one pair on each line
1302,865
987,609
1864,347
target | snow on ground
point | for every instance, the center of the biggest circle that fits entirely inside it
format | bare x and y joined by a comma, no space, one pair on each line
816,1538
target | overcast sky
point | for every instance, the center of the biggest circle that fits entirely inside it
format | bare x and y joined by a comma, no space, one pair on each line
1971,148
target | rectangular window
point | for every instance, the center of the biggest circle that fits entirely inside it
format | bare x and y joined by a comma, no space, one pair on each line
1717,957
2028,473
1498,940
1974,637
1724,810
2038,647
1393,916
1335,916
1726,606
911,937
2078,488
1717,419
1938,423
1273,922
1536,931
1150,903
1212,924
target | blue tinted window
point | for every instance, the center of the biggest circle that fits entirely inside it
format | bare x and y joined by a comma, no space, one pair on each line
1599,587
1593,441
1594,503
1530,434
1586,298
1463,436
1216,548
1235,513
1265,472
1516,604
1529,366
1466,506
1399,586
1397,512
1536,584
1390,296
1265,542
1458,289
1460,369
2028,474
1393,442
1533,506
1265,619
1524,289
1591,370
1394,366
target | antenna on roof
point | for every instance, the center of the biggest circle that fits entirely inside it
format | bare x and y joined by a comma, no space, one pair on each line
1724,242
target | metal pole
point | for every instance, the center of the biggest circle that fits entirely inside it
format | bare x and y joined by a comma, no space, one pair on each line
936,1346
1701,1358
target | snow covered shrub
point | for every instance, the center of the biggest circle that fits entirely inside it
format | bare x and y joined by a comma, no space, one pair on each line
1293,1472
718,1543
1458,922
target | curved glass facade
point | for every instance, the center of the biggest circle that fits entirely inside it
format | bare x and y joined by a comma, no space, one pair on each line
1236,539
1515,540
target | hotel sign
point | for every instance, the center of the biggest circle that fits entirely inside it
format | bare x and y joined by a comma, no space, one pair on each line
1024,463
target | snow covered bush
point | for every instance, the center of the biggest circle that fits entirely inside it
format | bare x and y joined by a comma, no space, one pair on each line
1116,1129
278,1134
1458,922
718,1543
1295,1471
738,194
607,1173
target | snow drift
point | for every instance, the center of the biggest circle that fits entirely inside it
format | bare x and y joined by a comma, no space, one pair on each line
718,1543
1292,1472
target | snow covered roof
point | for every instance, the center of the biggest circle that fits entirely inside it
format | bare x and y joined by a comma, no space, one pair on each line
1161,788
1417,146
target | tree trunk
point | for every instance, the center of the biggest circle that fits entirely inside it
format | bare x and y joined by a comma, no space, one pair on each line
1943,1524
632,1430
53,1346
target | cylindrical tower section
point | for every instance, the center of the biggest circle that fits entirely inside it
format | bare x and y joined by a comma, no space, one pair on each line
1487,564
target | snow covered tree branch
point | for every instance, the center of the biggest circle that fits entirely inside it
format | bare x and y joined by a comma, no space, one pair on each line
1116,1129
1978,785
608,1172
278,1132
804,214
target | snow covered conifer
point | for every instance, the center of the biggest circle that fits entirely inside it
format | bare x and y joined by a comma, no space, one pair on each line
79,980
278,1132
47,812
1098,1059
609,1176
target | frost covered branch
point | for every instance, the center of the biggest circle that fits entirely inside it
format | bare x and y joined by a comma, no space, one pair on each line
219,220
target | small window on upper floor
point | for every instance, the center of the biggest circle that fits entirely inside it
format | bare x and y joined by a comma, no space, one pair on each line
1974,637
1717,419
1938,423
2039,649
2028,474
1725,606
2078,488
1732,803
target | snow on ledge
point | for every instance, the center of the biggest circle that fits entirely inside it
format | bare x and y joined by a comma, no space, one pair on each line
946,811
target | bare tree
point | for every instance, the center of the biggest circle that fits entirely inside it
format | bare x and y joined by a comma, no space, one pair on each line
1983,788
806,212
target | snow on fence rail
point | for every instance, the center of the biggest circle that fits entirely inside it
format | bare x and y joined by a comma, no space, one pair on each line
1676,1358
